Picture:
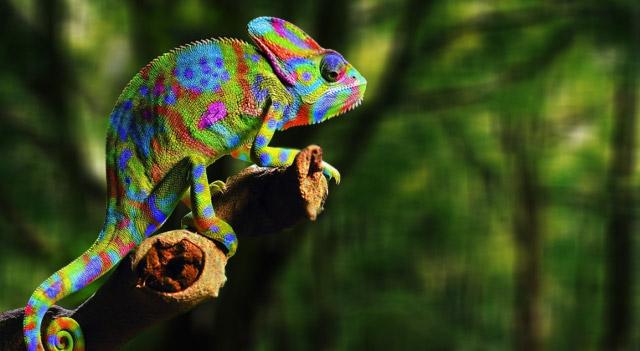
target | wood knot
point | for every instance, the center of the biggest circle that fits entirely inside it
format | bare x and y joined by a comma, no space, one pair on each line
171,267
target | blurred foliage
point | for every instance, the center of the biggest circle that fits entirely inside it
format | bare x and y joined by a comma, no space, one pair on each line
489,181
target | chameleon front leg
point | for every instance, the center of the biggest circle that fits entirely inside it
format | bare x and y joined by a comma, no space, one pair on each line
202,216
268,156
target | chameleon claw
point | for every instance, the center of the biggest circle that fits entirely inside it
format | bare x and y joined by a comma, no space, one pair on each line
330,172
217,186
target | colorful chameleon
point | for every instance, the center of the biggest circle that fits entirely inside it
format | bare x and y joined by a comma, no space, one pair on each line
179,114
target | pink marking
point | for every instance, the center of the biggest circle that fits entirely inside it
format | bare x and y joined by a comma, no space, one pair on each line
279,28
124,223
215,112
124,249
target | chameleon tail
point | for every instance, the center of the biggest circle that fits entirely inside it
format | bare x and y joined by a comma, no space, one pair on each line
64,333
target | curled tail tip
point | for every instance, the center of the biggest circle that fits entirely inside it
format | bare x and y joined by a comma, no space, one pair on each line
63,334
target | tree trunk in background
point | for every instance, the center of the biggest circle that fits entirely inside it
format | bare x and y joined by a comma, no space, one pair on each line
619,307
517,141
527,235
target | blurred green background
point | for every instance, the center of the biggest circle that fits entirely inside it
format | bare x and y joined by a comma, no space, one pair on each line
489,198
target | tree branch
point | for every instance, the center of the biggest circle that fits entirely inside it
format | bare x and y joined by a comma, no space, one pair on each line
172,272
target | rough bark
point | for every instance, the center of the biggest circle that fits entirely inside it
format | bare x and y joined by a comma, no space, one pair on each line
172,272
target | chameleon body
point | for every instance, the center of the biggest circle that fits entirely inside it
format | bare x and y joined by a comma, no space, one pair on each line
179,114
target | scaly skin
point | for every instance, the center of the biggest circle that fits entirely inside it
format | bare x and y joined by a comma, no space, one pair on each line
179,114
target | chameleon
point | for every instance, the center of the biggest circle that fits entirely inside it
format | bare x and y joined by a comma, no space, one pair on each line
179,114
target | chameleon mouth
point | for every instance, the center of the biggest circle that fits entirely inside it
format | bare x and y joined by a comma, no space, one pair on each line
354,99
354,105
344,110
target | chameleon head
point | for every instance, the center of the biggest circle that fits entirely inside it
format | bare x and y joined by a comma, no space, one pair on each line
325,83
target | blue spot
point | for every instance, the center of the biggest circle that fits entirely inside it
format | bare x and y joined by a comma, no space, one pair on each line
127,105
224,76
198,171
320,113
53,290
219,62
243,156
271,123
265,159
284,156
214,228
260,141
208,211
199,188
144,91
276,106
127,180
233,141
125,156
188,73
229,239
170,99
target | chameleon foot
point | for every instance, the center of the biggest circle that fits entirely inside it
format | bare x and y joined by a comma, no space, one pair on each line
218,231
217,186
330,172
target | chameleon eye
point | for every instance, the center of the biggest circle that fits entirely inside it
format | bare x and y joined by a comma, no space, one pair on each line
331,67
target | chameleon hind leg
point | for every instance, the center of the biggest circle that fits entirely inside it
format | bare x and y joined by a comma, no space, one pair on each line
202,216
217,186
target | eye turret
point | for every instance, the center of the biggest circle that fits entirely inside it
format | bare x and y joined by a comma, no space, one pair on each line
332,67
